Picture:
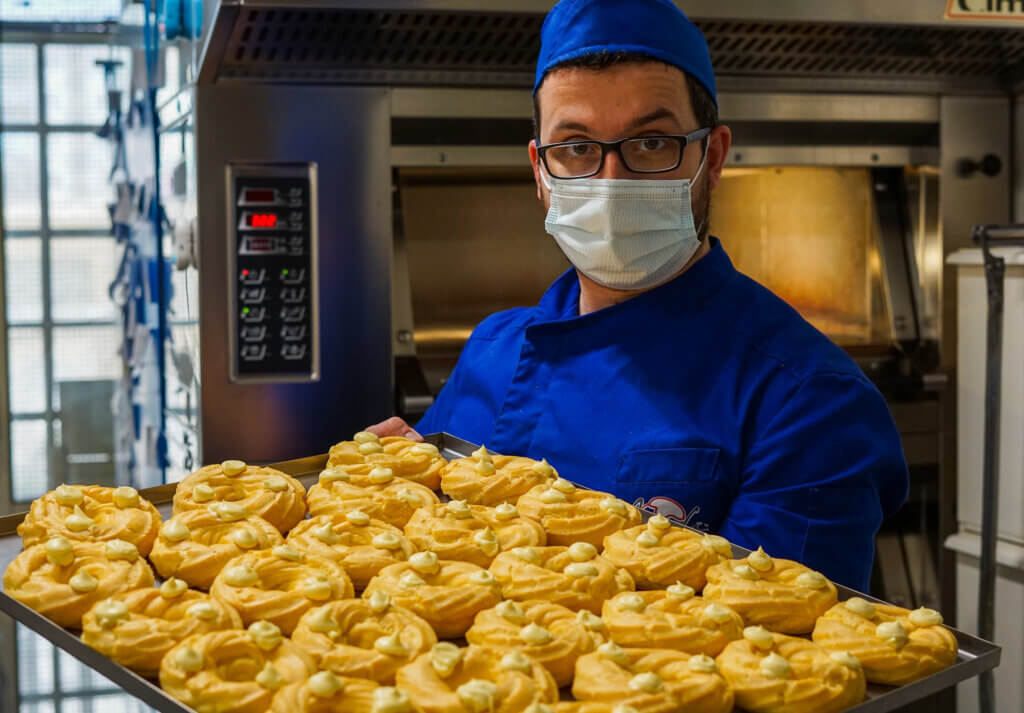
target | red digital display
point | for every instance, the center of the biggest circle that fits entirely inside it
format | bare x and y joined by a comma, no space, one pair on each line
258,195
261,220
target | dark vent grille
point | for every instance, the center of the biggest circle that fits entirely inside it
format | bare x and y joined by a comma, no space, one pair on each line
500,49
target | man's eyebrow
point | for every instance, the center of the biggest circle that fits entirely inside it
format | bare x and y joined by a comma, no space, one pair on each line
659,113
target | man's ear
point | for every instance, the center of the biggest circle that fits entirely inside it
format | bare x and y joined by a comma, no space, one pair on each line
535,164
719,142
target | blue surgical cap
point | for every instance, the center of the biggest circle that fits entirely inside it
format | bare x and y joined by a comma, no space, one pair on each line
656,28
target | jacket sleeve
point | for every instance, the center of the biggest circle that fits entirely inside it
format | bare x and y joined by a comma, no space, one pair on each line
820,476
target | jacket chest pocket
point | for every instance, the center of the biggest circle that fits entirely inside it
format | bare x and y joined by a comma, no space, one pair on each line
683,484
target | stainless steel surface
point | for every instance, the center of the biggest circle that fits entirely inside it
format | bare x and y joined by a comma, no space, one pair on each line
345,131
894,243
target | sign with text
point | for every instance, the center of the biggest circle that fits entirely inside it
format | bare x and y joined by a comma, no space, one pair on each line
985,10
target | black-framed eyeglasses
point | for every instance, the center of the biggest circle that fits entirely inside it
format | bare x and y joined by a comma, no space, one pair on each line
640,154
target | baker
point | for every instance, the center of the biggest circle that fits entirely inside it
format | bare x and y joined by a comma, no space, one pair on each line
653,369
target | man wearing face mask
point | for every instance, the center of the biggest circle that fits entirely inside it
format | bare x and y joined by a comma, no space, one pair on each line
653,369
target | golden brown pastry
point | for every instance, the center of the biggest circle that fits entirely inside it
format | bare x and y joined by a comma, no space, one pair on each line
92,513
275,496
783,595
475,679
361,545
233,671
671,619
196,544
894,645
379,494
418,462
570,514
775,673
326,692
491,479
588,707
652,680
136,628
279,585
548,633
459,531
575,577
658,554
62,579
366,638
446,594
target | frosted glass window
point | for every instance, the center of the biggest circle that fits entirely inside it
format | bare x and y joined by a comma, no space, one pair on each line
75,89
24,280
37,707
60,10
27,369
81,271
30,461
19,160
79,165
86,353
35,662
19,88
76,676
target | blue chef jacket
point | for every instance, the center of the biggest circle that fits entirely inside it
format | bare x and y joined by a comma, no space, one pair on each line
708,399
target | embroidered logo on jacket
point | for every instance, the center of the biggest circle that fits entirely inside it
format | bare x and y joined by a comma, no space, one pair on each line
669,508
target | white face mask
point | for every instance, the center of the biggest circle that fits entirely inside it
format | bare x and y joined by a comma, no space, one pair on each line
623,233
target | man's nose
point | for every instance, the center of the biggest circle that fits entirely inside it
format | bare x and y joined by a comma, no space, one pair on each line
614,167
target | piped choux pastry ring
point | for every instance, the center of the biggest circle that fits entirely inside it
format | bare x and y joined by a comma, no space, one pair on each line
326,692
275,496
658,554
365,638
92,513
196,544
783,595
380,494
361,545
136,628
62,579
570,514
575,577
445,593
233,671
487,478
418,462
547,632
476,679
894,645
459,531
671,619
280,585
652,680
776,673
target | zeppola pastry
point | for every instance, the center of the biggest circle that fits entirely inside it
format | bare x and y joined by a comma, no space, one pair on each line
658,554
275,496
196,544
570,514
894,645
783,595
380,494
475,679
418,462
652,680
491,479
575,577
361,545
92,513
62,579
326,692
233,671
548,633
459,531
136,628
446,594
366,638
775,673
671,619
279,585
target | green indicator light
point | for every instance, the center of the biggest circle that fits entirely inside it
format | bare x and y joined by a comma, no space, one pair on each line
284,272
245,310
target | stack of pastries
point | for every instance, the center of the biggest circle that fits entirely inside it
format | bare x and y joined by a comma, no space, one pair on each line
375,593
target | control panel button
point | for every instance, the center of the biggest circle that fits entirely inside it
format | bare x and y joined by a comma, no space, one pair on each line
252,295
253,333
296,245
254,315
293,332
293,276
254,276
292,352
293,295
253,352
293,313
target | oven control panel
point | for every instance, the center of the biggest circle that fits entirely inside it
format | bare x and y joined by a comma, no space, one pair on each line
272,273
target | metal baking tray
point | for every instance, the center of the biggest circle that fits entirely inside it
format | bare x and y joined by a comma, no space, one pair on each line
974,656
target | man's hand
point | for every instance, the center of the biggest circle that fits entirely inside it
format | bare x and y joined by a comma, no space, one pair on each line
394,426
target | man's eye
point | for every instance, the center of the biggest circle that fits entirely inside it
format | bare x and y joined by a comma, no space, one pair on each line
652,144
579,150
